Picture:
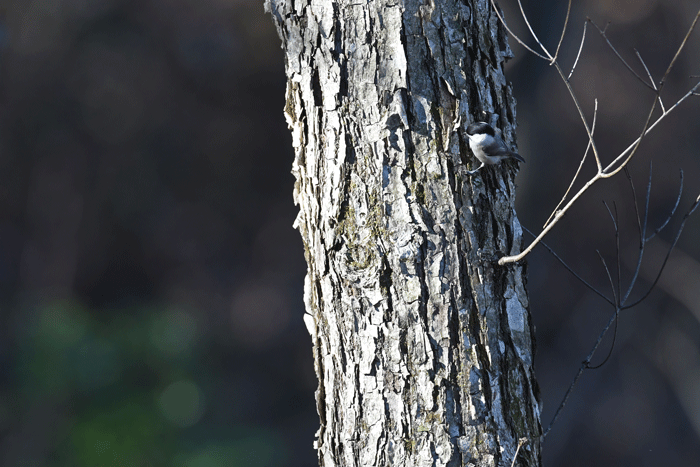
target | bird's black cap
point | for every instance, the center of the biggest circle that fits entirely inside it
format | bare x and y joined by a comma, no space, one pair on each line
479,128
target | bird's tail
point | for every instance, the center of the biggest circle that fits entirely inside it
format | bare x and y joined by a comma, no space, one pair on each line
517,156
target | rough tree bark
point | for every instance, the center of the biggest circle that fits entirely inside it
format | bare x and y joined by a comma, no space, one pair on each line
423,345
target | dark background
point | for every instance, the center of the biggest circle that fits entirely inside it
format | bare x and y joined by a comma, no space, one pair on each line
151,282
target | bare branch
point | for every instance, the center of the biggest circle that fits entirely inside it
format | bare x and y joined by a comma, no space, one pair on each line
608,169
582,116
532,33
521,442
616,226
642,235
668,254
612,218
580,165
612,47
563,32
575,274
651,127
680,48
612,344
596,177
554,62
645,240
617,251
564,400
619,305
559,214
584,365
610,279
673,211
580,48
621,160
651,80
636,205
647,200
520,41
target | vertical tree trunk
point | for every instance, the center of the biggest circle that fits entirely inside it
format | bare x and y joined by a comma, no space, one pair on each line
423,344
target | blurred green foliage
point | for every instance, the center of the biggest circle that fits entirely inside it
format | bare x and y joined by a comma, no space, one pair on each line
127,390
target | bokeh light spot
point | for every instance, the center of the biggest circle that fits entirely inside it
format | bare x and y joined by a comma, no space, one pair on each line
182,403
174,332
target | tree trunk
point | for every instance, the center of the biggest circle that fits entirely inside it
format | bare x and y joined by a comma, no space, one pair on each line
423,345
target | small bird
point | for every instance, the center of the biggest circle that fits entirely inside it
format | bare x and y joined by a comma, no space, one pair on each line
487,147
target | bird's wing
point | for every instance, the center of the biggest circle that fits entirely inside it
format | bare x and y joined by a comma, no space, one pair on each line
499,148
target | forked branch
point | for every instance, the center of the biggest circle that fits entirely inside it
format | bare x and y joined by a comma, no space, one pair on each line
620,161
620,301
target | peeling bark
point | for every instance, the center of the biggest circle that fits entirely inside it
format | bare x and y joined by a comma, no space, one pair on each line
423,345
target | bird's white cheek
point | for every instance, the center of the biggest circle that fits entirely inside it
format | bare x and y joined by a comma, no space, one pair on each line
478,139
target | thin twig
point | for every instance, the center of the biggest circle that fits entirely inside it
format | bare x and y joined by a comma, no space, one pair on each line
521,442
668,254
610,279
602,33
565,399
580,165
673,211
563,32
581,114
584,365
617,251
652,126
647,200
580,48
653,107
570,269
532,33
612,218
621,160
616,226
560,213
651,80
520,41
680,48
642,237
619,306
636,204
612,344
558,68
